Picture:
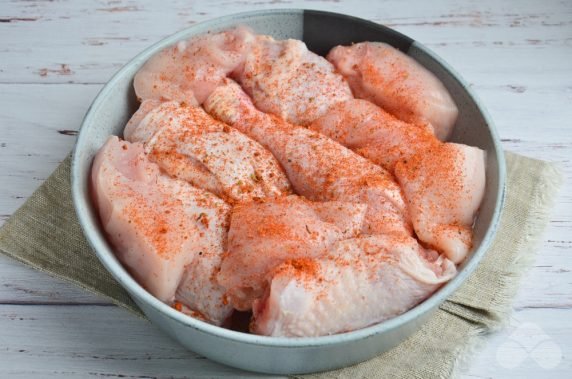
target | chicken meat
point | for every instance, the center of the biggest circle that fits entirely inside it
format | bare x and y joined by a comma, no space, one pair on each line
189,70
443,183
318,167
444,188
263,235
362,282
189,144
163,229
396,82
320,194
288,80
373,133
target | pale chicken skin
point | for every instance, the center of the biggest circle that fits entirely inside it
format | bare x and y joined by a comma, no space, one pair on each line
288,80
189,70
161,226
443,182
362,282
444,188
317,167
318,193
396,82
373,133
263,235
189,144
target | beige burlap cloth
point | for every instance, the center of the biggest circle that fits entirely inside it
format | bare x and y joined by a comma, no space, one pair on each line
44,233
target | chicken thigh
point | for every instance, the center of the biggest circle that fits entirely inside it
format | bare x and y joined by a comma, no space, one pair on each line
444,188
443,182
362,282
389,78
160,226
288,80
188,71
262,235
189,144
373,133
318,167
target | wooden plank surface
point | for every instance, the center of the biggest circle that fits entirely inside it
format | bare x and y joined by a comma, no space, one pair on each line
70,341
54,58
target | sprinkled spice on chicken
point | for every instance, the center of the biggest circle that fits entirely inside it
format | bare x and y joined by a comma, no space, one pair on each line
318,194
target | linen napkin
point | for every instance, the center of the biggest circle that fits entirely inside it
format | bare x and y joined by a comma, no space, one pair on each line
44,234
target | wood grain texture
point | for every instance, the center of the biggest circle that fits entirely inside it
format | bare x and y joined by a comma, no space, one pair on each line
72,341
56,55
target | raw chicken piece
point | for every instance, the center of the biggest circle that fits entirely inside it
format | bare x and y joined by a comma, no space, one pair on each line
373,133
318,167
378,72
444,188
189,144
188,71
363,282
443,182
262,235
159,226
286,79
200,292
133,123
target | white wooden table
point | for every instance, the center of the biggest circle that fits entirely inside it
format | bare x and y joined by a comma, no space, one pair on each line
56,55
